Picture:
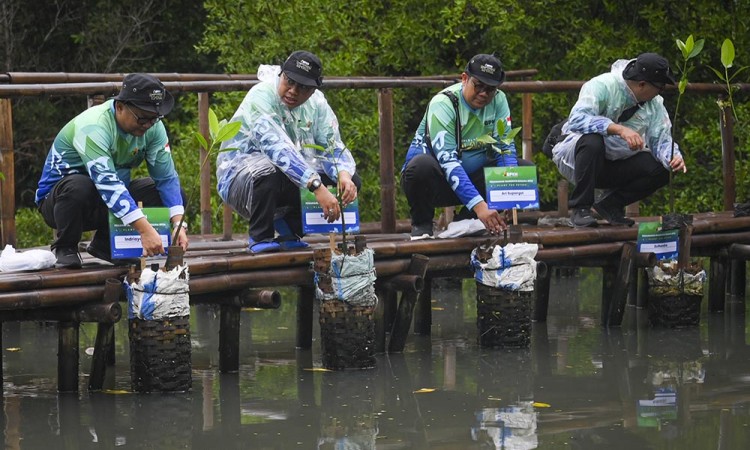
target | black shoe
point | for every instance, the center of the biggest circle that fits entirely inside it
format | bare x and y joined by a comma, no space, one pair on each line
67,258
464,214
423,231
98,252
582,217
613,215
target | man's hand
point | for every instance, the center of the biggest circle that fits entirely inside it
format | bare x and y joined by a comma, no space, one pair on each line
150,239
328,202
678,163
182,238
347,188
491,219
634,140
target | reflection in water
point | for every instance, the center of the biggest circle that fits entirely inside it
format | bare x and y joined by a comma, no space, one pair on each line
577,387
512,427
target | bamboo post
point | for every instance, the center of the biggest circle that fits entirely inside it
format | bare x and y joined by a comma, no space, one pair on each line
423,316
527,122
402,322
541,288
641,301
8,183
387,177
717,283
685,237
625,270
609,275
230,407
229,338
379,316
305,316
737,278
205,169
67,357
227,220
104,354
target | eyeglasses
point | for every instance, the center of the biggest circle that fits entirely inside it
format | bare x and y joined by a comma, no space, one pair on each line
481,87
300,87
144,120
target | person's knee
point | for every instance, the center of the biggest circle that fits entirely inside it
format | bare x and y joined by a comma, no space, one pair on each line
357,180
591,143
421,167
660,175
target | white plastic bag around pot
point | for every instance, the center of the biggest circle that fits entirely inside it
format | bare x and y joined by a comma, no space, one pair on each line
34,259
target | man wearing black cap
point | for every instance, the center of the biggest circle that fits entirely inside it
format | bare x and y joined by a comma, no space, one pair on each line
282,118
618,138
87,172
441,171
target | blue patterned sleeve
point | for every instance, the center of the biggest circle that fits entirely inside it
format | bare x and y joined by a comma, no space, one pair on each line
327,135
587,117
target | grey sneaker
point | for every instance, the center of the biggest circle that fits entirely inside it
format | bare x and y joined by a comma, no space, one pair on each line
423,231
613,215
582,217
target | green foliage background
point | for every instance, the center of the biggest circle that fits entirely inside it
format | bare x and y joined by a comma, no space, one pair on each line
563,40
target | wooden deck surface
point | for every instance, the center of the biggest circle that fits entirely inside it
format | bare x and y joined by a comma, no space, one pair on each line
220,266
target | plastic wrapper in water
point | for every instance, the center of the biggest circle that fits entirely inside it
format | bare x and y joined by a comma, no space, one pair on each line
353,279
159,295
511,267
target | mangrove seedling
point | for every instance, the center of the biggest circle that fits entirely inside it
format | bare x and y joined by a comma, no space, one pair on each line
688,49
219,131
331,151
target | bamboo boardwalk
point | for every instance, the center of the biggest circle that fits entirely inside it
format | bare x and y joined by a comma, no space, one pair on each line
222,272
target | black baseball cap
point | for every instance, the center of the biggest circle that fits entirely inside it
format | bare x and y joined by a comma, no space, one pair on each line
486,68
649,67
146,92
304,68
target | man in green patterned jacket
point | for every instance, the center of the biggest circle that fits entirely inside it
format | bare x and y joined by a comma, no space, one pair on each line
87,172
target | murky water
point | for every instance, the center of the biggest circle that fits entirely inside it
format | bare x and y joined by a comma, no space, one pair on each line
577,387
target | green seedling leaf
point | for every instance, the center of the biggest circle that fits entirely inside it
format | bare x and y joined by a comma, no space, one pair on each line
683,48
697,49
501,127
486,139
511,135
213,122
316,147
201,140
227,131
737,73
682,85
727,53
718,74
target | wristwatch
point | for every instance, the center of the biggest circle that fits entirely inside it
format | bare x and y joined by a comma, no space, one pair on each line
314,185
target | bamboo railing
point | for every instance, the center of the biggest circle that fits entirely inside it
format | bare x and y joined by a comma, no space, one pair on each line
18,84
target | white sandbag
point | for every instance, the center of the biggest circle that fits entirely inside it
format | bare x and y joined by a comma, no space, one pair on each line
34,259
511,267
352,278
159,295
